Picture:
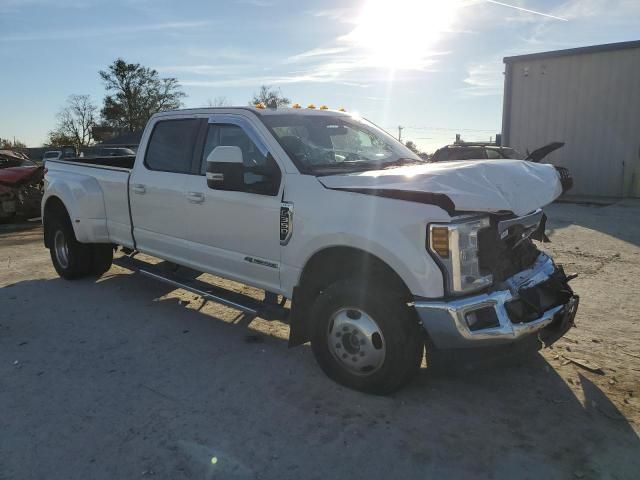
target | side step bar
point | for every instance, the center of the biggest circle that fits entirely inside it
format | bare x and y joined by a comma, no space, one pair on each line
208,291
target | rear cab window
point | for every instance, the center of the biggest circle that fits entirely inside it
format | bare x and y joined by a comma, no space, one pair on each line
172,145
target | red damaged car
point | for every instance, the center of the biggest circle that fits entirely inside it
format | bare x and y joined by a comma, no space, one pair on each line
20,185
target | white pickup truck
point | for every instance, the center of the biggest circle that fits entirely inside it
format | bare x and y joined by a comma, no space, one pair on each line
380,253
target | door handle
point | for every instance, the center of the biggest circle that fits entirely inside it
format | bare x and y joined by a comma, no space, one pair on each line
139,189
195,197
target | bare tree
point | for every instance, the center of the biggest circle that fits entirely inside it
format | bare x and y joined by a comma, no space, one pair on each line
270,97
75,122
218,102
7,144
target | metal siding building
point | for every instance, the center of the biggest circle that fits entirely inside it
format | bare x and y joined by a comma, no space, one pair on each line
588,98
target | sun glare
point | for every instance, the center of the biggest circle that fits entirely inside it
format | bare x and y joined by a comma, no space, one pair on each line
401,34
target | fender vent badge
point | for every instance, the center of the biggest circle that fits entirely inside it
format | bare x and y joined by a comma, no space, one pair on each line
286,222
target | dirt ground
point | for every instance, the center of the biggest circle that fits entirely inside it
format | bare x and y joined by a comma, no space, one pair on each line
124,378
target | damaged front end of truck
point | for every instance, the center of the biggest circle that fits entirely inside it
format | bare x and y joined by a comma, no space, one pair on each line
526,293
499,286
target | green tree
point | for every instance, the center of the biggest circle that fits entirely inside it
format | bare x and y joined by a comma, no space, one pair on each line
271,97
75,122
412,146
135,93
57,139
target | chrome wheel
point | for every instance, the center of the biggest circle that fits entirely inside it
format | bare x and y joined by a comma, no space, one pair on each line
61,249
356,341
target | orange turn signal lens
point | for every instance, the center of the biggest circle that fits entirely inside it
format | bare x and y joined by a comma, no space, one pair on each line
440,241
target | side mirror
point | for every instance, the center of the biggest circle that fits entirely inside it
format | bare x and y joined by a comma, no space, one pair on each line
225,169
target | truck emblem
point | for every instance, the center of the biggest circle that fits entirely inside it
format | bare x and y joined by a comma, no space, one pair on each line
286,222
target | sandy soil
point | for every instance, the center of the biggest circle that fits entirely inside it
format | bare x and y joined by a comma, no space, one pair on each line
125,378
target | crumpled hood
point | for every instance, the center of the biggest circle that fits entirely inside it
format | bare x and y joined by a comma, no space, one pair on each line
475,186
16,175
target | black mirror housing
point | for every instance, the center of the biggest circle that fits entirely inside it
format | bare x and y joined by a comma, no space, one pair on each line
225,169
225,176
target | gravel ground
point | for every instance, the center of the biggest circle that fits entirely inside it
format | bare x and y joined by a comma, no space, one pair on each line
124,378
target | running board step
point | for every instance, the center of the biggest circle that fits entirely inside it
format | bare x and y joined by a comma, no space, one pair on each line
208,291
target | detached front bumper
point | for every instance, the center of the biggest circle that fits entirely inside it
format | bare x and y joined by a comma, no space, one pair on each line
535,301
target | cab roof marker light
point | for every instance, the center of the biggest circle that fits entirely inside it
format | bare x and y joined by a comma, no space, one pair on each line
260,106
311,106
296,106
342,109
324,107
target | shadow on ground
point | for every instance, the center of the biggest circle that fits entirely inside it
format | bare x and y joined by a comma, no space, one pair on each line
113,380
619,220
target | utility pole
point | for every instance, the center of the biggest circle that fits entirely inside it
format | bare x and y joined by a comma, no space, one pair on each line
400,133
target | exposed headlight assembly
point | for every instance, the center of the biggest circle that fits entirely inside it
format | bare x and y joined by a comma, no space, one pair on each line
455,245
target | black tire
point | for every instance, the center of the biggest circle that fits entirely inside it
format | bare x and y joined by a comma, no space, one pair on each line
77,263
101,258
403,338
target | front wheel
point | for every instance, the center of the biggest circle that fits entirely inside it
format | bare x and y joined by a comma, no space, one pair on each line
365,337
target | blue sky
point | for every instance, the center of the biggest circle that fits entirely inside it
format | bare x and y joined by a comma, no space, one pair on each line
434,67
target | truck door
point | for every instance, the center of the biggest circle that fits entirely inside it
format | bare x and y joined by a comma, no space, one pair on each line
156,189
236,234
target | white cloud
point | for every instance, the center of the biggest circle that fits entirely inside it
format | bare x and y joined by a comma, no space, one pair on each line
527,10
100,32
315,52
344,15
484,79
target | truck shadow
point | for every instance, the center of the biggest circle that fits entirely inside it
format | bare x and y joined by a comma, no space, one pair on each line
168,385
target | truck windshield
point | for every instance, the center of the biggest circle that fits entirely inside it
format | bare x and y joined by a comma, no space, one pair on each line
324,144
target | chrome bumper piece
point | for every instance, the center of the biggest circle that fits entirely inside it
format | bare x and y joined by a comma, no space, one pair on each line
446,322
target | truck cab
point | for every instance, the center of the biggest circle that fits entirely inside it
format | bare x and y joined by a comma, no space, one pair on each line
379,253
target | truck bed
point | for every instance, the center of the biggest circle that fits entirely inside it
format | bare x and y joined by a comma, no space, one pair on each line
96,192
117,162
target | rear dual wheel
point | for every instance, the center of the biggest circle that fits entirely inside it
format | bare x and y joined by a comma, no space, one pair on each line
73,259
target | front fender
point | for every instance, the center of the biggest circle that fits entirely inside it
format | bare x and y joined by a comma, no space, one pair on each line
417,269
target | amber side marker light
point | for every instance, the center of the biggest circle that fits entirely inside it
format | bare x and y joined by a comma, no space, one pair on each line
440,241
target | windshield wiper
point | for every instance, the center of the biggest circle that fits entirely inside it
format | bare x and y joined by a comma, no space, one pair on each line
401,162
348,165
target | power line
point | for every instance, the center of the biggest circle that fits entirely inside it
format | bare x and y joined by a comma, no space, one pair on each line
447,129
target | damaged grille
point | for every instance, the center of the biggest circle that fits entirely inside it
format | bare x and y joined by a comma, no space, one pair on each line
534,301
506,256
